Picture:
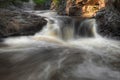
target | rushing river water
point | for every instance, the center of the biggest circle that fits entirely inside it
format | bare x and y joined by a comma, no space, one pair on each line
63,50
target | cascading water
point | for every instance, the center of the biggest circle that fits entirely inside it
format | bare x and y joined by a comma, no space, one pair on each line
88,28
63,27
61,51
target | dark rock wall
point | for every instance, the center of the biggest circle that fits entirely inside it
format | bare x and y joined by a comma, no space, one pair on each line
108,20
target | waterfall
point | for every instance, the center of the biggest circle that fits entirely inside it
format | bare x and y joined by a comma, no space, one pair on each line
51,29
64,27
88,28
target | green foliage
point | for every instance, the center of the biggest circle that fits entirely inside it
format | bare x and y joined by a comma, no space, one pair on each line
40,1
56,1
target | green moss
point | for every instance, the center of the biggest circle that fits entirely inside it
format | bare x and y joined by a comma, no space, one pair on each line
40,1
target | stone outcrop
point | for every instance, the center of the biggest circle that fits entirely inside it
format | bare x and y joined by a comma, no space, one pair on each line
108,20
14,23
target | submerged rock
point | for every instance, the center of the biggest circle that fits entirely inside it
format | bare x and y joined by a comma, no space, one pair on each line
14,23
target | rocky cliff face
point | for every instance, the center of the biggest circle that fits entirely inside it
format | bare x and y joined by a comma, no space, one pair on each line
86,8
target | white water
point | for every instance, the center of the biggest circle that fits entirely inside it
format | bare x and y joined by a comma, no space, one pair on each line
59,34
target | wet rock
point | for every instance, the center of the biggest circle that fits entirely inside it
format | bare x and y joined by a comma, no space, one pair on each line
14,23
108,20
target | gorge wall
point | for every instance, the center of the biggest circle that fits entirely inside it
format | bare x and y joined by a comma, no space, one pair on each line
86,8
108,20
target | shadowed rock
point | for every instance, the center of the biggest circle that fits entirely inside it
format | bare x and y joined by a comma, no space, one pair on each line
108,20
14,23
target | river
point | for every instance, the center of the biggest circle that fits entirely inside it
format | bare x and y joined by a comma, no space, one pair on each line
63,50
